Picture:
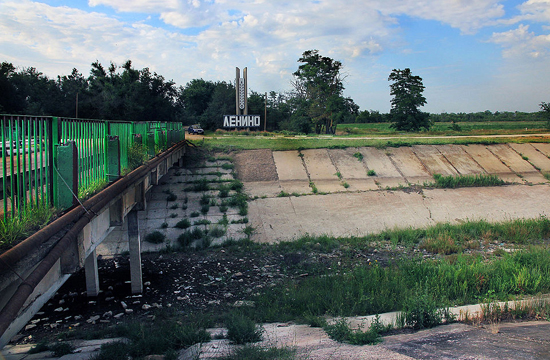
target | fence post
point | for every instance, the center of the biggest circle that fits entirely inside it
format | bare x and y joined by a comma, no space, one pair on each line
113,158
66,177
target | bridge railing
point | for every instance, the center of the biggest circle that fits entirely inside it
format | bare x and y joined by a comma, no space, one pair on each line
42,156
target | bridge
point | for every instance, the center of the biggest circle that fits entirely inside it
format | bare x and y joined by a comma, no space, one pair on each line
46,162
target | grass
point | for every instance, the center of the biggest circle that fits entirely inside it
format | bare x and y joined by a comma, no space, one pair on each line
465,181
340,331
13,229
242,330
359,156
91,189
546,175
183,224
250,352
281,143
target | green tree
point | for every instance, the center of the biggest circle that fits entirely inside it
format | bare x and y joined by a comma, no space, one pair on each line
194,99
222,103
319,82
406,90
545,109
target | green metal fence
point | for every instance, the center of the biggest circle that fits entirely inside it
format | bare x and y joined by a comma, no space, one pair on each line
29,153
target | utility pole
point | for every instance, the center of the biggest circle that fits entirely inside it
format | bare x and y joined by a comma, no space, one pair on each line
265,114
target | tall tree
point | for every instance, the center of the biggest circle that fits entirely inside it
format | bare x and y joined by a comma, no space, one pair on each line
545,108
318,80
407,98
194,99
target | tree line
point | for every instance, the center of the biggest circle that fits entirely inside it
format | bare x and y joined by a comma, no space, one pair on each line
316,102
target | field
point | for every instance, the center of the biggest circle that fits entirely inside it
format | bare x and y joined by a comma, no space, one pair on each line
446,128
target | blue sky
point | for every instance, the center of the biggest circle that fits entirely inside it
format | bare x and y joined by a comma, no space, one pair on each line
473,55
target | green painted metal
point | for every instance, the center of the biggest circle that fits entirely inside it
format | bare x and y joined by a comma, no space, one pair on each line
30,157
64,176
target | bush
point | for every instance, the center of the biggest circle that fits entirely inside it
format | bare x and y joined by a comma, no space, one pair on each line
216,232
421,312
242,330
183,224
156,237
137,155
341,332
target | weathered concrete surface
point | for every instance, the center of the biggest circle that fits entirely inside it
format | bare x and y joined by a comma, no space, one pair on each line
409,165
434,160
490,163
517,164
349,214
543,148
535,157
347,164
387,174
319,165
460,160
289,166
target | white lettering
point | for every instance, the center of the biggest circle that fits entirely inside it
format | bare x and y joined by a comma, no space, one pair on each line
226,121
256,121
232,120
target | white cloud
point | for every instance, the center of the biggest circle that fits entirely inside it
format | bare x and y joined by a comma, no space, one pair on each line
520,43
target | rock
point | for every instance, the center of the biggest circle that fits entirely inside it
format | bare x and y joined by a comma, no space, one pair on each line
54,325
109,299
108,314
118,316
75,325
146,307
147,283
123,304
30,326
78,317
128,311
59,309
240,303
239,274
93,319
61,302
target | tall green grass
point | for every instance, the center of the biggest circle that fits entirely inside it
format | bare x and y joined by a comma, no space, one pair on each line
465,181
13,229
372,289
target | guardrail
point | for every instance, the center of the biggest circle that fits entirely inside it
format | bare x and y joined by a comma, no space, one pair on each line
46,160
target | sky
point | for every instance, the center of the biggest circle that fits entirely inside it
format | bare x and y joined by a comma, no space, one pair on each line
473,55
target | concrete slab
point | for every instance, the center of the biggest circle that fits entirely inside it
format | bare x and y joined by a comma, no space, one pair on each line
289,166
535,157
319,165
349,214
486,159
433,160
295,187
389,183
511,158
378,160
543,148
347,164
460,159
262,188
409,165
362,184
329,186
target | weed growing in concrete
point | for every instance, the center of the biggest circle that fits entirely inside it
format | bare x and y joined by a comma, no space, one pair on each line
173,215
216,232
174,207
205,209
91,189
15,228
345,185
183,224
156,237
240,221
171,196
371,173
194,214
248,231
224,191
340,331
283,194
202,222
465,181
228,166
546,175
205,199
339,175
223,221
164,225
421,311
223,209
242,330
313,187
359,156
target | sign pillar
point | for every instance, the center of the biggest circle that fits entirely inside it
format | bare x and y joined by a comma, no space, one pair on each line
241,92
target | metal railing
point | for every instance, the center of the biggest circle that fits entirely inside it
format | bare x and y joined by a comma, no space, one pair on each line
29,153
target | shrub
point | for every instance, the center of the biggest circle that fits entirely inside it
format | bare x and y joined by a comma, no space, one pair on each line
242,330
205,209
205,200
156,237
194,214
202,222
171,197
185,239
421,312
216,232
371,173
183,224
359,156
341,332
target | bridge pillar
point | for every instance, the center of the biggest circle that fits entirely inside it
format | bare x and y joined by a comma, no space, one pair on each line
134,246
92,275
